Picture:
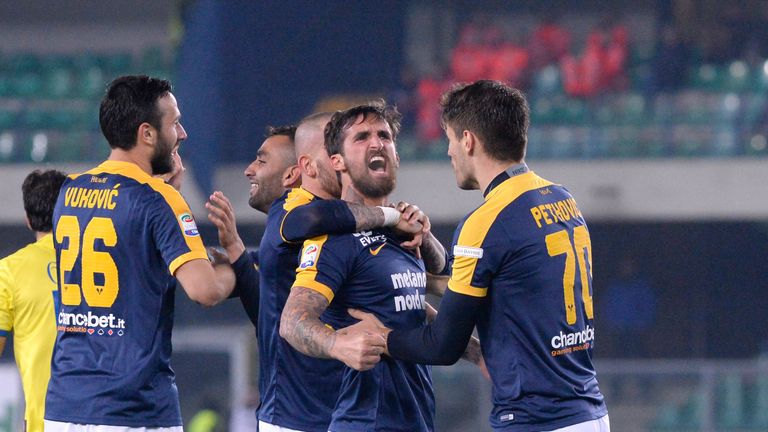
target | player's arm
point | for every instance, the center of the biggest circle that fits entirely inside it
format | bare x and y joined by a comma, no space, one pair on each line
320,217
246,280
206,283
472,353
443,341
436,284
300,325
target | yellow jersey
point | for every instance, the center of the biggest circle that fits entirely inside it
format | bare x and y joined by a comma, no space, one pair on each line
27,287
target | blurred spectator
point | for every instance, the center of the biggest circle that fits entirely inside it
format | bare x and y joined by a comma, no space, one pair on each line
550,42
509,62
470,58
671,62
428,108
602,66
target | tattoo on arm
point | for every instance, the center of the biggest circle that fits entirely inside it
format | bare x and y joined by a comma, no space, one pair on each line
366,218
300,323
473,354
433,254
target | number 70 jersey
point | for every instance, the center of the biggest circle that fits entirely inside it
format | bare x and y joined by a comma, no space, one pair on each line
119,235
527,249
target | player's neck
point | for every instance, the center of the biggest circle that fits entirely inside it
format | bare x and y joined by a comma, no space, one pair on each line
313,186
350,194
133,156
488,169
40,234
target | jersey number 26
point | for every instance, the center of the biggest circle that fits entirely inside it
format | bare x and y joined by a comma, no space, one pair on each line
92,262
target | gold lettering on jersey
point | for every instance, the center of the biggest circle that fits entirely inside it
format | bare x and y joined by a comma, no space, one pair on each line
91,198
559,211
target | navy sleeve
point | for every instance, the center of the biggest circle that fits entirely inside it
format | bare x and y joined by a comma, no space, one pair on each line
247,284
316,218
444,340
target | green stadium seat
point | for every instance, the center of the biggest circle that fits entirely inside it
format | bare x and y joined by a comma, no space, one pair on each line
26,85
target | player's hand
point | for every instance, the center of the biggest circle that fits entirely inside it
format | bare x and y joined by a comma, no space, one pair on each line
372,324
176,177
412,221
222,215
357,347
217,257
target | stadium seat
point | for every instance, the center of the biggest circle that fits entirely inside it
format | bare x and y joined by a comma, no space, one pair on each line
730,402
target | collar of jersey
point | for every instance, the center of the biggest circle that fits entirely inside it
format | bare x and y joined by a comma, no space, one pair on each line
129,169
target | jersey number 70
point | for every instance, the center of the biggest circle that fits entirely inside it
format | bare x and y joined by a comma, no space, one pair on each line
92,262
559,243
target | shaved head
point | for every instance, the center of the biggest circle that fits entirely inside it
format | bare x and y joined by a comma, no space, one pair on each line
317,174
310,133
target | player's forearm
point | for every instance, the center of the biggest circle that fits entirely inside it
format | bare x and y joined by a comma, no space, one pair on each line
444,340
317,218
366,218
433,254
300,323
436,284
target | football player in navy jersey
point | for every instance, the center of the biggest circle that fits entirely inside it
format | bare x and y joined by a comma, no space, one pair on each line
121,236
521,271
298,393
371,270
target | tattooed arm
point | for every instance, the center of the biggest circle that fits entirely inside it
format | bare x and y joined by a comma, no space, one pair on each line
300,325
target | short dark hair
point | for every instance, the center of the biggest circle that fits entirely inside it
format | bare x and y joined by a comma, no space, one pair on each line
40,191
130,101
342,120
286,130
497,113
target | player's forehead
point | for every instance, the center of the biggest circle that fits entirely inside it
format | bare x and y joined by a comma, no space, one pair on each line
275,144
368,122
168,107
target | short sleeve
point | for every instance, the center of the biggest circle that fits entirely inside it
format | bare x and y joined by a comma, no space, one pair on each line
6,300
173,228
471,269
324,264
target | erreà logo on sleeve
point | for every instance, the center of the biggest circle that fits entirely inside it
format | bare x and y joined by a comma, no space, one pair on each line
188,225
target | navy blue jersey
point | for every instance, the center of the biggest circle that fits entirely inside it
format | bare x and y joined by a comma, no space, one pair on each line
119,236
527,249
371,272
297,391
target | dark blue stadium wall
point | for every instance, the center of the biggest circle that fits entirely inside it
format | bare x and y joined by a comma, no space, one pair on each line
244,65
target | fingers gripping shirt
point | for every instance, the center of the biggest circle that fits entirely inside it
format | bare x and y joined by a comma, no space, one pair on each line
119,236
370,271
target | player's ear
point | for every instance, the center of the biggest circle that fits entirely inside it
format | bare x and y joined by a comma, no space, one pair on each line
337,162
146,133
291,176
468,142
305,165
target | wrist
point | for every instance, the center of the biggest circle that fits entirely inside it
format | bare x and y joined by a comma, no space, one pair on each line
235,251
391,216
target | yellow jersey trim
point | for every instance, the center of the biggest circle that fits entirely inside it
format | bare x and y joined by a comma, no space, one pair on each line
297,197
185,258
476,227
308,281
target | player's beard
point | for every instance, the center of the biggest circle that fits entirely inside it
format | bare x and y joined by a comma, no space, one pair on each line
162,161
369,186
